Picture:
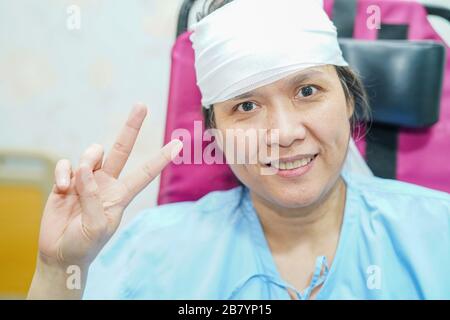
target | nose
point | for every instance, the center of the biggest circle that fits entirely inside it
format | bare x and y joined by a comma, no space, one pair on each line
287,121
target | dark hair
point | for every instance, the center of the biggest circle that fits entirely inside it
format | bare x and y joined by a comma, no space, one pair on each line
213,6
351,84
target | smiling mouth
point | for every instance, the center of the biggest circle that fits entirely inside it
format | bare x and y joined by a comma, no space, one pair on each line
291,165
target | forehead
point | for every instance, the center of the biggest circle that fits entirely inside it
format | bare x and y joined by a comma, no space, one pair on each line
320,72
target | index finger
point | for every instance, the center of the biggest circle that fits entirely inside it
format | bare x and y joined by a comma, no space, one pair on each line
118,156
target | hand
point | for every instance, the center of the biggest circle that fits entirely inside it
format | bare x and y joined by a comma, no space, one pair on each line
86,205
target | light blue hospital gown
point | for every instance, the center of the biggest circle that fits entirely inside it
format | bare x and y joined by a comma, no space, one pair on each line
394,244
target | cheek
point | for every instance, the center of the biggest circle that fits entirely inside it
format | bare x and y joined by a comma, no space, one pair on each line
330,124
239,141
240,145
241,148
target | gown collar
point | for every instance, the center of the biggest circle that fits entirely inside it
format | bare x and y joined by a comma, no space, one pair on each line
322,274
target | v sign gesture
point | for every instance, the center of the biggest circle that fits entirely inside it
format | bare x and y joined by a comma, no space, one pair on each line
86,205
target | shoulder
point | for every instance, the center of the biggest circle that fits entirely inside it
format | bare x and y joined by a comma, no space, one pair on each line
159,239
213,210
400,209
394,193
214,207
403,228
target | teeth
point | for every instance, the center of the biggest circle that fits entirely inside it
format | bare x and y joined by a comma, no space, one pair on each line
292,164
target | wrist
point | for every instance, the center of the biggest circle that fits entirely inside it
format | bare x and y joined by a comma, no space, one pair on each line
56,281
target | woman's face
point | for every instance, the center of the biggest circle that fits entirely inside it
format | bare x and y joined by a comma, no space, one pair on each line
310,112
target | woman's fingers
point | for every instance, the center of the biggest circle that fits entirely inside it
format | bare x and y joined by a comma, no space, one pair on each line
93,157
140,178
118,156
63,174
93,218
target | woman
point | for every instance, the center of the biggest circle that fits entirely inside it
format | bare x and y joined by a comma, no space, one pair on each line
308,230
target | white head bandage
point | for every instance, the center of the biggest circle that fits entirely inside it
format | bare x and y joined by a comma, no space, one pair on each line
251,43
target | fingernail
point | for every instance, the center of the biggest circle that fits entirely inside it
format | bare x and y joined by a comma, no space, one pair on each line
140,106
178,145
176,148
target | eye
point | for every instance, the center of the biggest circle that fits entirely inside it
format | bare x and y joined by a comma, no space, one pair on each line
307,91
246,107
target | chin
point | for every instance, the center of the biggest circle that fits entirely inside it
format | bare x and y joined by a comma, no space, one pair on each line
292,197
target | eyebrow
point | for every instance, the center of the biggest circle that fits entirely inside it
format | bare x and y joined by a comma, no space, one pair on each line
294,80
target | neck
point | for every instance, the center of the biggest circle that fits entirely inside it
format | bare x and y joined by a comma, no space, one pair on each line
313,228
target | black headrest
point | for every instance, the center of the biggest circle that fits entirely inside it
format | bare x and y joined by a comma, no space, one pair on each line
403,78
